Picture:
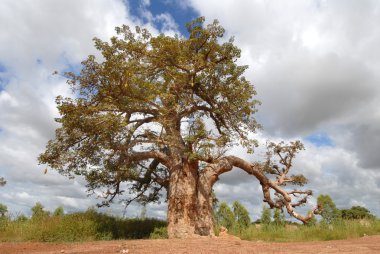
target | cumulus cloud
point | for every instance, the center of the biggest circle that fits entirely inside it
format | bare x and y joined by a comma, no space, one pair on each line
365,141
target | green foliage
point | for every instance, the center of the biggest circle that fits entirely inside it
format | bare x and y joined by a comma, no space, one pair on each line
3,210
329,213
21,218
356,212
343,229
123,228
58,212
241,216
159,233
38,212
225,217
84,226
266,215
312,222
278,218
235,220
91,225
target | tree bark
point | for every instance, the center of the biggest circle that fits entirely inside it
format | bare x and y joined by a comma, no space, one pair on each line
189,203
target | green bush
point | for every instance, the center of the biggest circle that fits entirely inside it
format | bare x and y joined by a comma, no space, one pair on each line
73,227
159,233
342,229
84,226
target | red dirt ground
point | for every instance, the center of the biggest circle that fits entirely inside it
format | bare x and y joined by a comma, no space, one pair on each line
368,244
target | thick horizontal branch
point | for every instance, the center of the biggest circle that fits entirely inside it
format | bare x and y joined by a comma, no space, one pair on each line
140,156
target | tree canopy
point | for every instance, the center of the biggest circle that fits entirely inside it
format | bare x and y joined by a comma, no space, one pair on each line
225,216
146,97
278,218
356,212
241,215
329,211
38,212
266,215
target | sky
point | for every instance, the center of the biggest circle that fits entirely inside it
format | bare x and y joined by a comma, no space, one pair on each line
314,63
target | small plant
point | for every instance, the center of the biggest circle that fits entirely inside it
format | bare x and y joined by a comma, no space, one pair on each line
159,233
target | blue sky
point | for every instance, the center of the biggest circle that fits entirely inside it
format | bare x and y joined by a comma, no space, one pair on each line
181,12
320,139
315,66
3,79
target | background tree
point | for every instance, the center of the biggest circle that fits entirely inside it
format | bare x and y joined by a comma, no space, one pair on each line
21,218
329,212
241,216
312,222
278,217
356,212
58,212
225,217
266,216
159,113
38,212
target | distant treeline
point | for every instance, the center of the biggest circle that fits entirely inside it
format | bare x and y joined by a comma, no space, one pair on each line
333,224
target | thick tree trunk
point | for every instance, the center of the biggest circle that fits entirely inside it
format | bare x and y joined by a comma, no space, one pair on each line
189,204
205,220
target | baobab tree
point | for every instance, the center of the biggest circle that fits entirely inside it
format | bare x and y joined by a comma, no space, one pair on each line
157,114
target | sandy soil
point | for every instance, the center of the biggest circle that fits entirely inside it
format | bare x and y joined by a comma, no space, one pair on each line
368,244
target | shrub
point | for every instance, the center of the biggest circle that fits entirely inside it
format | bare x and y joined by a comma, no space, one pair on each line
159,233
81,226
